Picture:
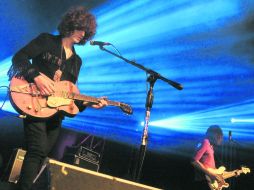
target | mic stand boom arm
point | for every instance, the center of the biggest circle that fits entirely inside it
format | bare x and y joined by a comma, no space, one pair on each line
153,76
147,70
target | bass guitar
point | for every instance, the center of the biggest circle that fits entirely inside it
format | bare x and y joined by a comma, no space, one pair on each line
218,185
27,100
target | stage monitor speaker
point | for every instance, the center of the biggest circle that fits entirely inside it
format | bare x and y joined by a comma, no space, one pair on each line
69,177
16,161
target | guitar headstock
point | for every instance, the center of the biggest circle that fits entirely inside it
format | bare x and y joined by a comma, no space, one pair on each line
245,170
126,108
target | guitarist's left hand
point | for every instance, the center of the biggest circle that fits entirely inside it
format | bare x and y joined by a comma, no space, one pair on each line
102,103
238,172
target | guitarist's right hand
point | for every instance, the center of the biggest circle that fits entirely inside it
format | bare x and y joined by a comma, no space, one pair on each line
45,86
215,177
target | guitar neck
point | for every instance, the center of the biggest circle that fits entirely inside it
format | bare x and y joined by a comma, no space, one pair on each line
91,99
231,174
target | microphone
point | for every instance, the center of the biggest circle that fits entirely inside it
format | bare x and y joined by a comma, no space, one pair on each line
230,135
98,43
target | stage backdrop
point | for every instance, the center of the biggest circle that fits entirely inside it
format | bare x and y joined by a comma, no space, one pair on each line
206,46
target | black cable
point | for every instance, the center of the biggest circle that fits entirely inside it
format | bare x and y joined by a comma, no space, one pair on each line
116,49
5,96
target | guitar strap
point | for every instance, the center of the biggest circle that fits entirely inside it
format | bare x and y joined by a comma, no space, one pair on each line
58,73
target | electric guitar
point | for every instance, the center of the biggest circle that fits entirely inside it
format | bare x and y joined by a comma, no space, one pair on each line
27,100
218,185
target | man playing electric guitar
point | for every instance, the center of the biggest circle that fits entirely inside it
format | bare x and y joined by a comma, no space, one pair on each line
55,57
203,160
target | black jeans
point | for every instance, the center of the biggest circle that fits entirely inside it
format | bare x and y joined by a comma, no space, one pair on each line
201,185
40,137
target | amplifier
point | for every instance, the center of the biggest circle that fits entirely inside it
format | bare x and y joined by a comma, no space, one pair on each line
84,152
88,154
86,163
81,162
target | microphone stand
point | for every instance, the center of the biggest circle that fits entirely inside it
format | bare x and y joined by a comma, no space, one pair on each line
152,77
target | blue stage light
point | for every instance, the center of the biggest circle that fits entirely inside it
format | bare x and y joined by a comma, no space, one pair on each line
191,42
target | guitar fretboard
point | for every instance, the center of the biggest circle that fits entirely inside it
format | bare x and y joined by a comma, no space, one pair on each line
90,99
231,174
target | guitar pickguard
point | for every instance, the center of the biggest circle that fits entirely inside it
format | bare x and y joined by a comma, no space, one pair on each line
54,102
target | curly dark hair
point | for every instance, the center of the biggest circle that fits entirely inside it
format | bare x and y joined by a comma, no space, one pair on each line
78,18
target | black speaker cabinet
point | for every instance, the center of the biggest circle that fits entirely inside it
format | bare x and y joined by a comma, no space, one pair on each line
69,177
16,162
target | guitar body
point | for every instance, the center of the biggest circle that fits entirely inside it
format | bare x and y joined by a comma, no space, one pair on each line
26,99
217,185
